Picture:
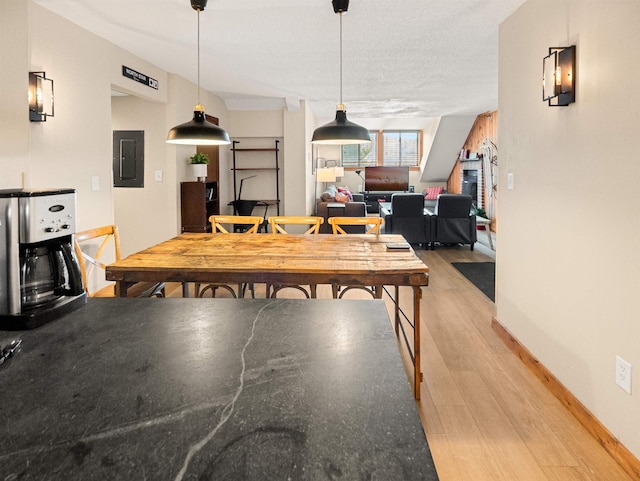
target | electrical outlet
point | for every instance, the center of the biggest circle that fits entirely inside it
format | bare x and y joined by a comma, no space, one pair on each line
510,181
623,374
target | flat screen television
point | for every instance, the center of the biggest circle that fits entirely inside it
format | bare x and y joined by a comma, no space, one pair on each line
386,179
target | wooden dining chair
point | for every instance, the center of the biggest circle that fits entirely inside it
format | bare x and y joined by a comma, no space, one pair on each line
278,224
89,257
372,224
250,222
226,224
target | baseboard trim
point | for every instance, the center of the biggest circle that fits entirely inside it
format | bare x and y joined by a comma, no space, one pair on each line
629,463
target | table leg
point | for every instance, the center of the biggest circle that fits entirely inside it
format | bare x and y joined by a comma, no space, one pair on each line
185,289
121,288
397,311
487,228
417,372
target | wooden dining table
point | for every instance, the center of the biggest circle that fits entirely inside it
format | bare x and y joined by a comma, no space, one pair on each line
364,260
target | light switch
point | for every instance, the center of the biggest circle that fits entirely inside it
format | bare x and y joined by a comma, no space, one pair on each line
158,175
510,181
95,183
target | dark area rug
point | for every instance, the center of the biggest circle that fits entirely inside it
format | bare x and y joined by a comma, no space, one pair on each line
481,274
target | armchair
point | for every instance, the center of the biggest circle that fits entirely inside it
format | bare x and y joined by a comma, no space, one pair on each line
453,221
409,219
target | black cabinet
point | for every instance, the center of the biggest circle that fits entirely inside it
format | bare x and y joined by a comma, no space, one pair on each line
373,199
198,201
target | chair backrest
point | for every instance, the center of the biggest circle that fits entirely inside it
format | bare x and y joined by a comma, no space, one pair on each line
277,223
107,233
243,207
407,205
453,205
251,222
372,224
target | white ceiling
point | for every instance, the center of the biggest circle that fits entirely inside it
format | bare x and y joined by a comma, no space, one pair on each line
403,59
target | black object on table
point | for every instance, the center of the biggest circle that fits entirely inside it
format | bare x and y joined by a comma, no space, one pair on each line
211,389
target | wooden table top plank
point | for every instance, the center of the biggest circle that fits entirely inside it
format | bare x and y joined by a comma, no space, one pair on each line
325,245
264,264
325,256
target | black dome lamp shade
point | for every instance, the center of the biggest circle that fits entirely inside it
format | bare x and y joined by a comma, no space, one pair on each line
340,131
198,131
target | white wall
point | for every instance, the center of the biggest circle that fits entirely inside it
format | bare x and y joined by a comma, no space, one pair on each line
76,145
255,129
296,166
251,123
311,186
568,263
14,82
141,213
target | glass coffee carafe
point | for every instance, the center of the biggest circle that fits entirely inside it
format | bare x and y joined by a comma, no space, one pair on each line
44,273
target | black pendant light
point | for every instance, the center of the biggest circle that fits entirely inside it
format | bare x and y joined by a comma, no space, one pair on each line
198,131
340,131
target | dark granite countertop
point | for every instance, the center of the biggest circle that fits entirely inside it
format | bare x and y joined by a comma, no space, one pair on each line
211,389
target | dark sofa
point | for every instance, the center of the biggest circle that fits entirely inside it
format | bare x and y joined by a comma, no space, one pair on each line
353,208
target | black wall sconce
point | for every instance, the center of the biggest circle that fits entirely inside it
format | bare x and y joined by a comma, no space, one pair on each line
40,97
559,76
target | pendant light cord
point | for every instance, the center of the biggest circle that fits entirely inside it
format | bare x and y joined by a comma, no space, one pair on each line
198,57
341,105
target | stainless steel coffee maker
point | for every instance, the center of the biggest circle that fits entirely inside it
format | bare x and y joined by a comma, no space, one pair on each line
40,276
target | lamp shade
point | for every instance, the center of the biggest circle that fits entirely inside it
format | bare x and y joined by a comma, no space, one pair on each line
326,174
340,132
559,76
198,131
40,97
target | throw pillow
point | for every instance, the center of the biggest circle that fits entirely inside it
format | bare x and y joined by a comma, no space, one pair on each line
433,193
342,198
327,197
347,192
332,190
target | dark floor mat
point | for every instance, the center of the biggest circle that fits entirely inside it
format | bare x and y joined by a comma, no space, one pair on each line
481,274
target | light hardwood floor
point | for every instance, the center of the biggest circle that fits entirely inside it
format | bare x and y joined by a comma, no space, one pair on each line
486,417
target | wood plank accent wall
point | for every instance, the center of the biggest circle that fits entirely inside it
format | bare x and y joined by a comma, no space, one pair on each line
485,126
